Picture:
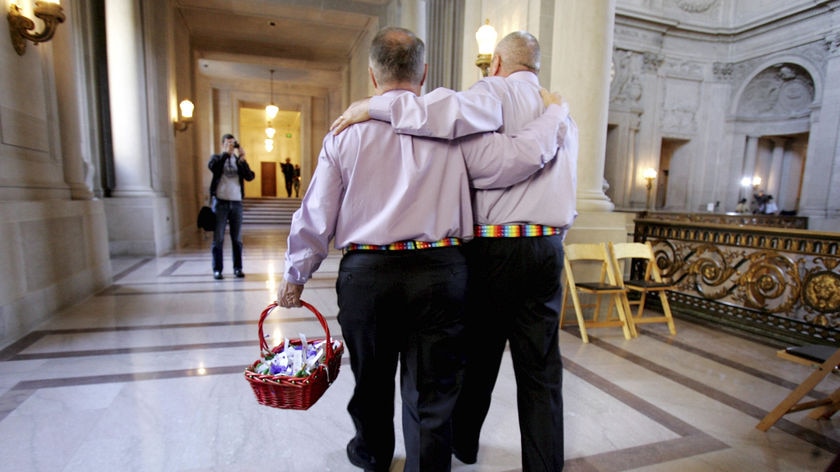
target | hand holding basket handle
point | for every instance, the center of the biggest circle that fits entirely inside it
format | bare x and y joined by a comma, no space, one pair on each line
288,296
297,393
264,349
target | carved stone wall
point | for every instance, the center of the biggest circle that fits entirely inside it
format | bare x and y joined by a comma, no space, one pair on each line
778,92
716,77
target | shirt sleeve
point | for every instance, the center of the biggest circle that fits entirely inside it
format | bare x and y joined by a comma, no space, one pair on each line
313,224
441,113
495,160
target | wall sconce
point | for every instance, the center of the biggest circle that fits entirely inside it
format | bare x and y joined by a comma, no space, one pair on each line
187,108
486,38
20,27
649,175
755,182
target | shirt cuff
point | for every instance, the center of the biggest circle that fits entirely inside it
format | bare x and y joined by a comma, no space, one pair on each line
380,108
560,110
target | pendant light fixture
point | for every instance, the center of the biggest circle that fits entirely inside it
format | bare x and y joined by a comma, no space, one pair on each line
271,111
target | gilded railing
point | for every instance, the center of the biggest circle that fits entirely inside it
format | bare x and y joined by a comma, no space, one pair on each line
776,282
776,221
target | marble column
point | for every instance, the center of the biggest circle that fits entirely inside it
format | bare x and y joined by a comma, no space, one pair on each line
582,53
129,113
775,182
74,96
139,215
820,196
750,156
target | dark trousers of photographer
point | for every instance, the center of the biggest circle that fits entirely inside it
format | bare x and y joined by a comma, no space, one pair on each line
227,211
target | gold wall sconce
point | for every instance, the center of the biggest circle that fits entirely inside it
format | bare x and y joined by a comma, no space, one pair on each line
649,175
22,28
754,182
187,108
486,38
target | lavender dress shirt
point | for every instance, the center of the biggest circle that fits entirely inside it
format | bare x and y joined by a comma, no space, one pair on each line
375,186
545,198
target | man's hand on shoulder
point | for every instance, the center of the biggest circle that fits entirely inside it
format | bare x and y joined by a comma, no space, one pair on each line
357,112
550,98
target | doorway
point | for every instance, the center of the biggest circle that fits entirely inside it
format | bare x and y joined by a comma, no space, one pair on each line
268,172
674,179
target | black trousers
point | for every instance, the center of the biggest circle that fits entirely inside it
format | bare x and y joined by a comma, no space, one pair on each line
514,296
406,307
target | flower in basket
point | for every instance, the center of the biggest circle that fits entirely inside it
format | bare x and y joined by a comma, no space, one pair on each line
293,360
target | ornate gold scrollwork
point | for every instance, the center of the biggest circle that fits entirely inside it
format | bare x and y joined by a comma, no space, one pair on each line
712,270
822,292
771,282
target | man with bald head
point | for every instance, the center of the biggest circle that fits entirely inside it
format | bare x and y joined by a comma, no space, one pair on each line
399,208
516,257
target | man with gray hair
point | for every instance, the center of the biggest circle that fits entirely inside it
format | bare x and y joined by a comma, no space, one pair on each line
399,208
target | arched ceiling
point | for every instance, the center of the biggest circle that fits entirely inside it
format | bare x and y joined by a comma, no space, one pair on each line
308,43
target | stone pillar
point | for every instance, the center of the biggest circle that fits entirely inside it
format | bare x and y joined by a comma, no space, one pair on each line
820,195
775,184
129,113
74,110
139,217
581,55
750,156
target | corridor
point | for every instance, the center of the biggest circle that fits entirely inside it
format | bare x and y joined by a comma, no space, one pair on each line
147,376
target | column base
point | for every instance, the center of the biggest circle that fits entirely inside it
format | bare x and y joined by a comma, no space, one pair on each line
601,226
139,226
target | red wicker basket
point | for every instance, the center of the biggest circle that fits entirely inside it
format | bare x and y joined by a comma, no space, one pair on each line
295,393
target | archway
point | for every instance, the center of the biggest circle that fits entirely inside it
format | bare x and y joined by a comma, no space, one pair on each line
774,112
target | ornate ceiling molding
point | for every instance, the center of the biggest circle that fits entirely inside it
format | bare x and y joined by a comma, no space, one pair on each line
695,6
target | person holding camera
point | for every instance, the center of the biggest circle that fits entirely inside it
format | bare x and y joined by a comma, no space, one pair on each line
227,189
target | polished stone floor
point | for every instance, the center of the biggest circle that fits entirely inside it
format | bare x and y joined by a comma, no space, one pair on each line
148,376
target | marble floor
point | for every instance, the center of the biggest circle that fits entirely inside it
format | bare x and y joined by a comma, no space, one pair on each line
148,376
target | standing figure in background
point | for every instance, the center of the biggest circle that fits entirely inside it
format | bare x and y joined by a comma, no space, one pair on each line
770,207
227,189
297,181
288,175
742,206
759,200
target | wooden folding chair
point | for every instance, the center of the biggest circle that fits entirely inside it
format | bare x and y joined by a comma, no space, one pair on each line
589,260
625,254
827,359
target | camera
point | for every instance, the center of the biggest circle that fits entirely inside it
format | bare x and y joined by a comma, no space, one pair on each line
236,144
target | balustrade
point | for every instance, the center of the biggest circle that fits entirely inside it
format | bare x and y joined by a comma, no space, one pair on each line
774,281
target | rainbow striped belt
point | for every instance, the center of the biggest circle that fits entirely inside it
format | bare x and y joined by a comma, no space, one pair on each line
516,231
404,245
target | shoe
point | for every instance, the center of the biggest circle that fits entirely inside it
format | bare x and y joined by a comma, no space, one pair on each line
218,275
238,273
358,458
466,458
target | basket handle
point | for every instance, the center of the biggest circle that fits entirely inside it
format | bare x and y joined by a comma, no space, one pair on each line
264,344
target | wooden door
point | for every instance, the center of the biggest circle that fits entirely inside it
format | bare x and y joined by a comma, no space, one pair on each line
268,171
